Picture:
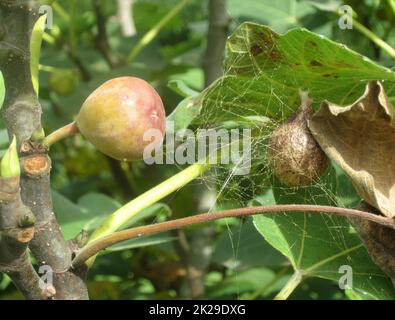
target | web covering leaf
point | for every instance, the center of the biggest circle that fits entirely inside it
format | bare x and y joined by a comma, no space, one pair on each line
259,89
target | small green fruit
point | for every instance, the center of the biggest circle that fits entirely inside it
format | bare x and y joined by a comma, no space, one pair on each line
10,167
116,116
293,154
63,82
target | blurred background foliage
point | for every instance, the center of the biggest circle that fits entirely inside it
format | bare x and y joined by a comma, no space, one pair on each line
87,185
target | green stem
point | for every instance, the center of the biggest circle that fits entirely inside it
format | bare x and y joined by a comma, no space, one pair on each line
64,132
151,34
131,209
290,286
49,38
375,39
371,35
128,211
60,11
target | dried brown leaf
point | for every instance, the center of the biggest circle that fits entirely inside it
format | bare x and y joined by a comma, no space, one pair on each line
360,138
379,241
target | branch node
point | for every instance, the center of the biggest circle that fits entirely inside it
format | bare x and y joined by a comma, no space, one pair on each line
36,165
29,147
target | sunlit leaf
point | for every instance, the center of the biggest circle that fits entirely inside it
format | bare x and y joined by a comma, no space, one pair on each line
318,245
264,71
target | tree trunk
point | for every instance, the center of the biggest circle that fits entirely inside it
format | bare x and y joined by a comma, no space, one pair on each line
22,113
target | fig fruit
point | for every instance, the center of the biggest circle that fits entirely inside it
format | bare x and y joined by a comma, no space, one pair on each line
116,115
63,82
293,154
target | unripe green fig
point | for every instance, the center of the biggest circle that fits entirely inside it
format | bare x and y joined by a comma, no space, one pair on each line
10,166
293,154
115,117
63,82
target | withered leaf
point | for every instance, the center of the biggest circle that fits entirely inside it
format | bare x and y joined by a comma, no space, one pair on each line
360,138
379,241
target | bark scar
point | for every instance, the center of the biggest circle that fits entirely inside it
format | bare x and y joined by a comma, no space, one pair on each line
36,165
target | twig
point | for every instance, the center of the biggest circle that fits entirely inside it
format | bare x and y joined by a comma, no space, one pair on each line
101,38
14,239
372,37
216,40
151,34
101,243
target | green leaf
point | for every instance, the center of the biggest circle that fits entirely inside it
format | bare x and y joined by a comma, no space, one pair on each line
140,242
2,90
346,195
265,70
180,87
91,210
249,280
183,115
35,48
154,211
278,14
237,249
263,74
189,108
73,218
318,245
99,205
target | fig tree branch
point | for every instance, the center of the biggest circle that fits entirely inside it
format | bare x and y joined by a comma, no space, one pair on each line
22,114
101,243
16,231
